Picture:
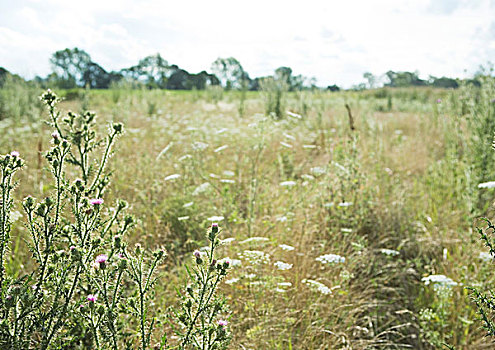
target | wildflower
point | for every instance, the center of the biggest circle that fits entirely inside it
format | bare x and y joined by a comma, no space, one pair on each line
215,218
55,135
389,252
282,265
439,279
222,323
294,115
14,154
307,177
96,201
92,298
72,248
330,259
489,184
232,280
485,256
286,247
101,260
318,286
197,254
439,100
231,262
227,181
172,177
255,257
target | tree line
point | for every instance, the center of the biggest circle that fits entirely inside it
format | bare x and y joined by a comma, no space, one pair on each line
73,68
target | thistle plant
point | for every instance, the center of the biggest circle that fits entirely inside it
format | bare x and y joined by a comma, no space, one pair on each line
9,165
87,288
202,311
485,303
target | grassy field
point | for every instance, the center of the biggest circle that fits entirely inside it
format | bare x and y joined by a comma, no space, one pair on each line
332,232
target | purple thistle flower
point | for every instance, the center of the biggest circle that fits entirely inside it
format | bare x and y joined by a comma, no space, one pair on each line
72,247
14,154
214,227
92,298
101,259
222,323
55,135
197,254
96,201
439,100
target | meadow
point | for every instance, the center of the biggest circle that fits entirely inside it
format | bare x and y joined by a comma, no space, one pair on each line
337,238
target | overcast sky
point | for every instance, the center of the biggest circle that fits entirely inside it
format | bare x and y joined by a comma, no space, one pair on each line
334,41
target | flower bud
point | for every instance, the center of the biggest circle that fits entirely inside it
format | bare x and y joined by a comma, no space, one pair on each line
117,241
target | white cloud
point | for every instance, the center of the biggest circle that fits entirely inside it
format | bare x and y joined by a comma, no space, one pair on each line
333,41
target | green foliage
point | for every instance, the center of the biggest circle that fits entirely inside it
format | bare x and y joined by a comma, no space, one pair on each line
18,99
274,91
199,317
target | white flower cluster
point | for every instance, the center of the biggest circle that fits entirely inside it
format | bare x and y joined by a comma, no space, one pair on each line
286,247
318,286
485,256
282,265
330,259
255,257
440,280
389,252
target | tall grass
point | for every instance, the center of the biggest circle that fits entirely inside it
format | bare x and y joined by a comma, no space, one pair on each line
336,237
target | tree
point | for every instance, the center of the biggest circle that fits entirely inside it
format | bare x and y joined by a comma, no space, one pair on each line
371,80
333,88
230,73
152,70
444,82
404,79
95,77
70,65
179,80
